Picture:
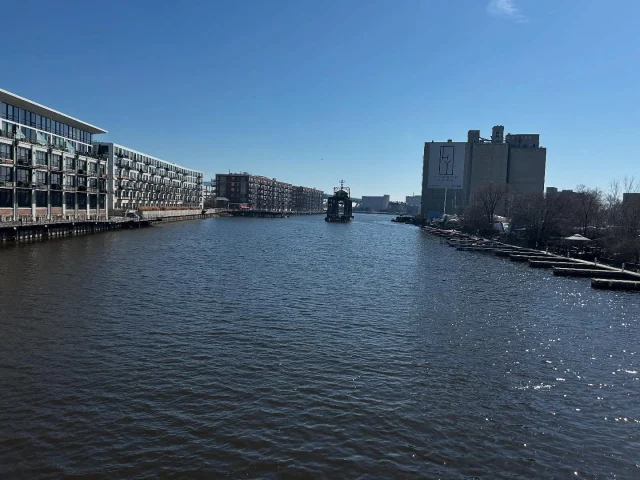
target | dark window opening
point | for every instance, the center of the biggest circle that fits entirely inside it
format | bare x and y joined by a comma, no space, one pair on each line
41,199
93,201
24,198
70,200
82,201
56,199
6,198
102,201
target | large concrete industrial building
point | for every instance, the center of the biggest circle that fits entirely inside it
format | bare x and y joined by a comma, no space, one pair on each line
453,170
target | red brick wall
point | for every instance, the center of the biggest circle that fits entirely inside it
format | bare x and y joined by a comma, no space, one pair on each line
5,212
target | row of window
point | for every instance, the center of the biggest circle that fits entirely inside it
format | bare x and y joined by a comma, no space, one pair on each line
30,119
52,160
138,157
35,136
23,178
24,199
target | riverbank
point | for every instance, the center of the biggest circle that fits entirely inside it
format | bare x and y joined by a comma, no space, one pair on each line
25,232
603,277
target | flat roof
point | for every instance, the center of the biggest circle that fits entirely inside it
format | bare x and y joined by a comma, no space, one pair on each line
21,102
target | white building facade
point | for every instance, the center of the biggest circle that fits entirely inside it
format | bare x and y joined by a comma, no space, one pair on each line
138,181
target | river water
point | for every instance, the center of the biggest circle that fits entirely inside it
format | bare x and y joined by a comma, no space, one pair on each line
291,348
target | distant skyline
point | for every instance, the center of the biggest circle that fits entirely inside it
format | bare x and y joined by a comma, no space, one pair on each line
312,92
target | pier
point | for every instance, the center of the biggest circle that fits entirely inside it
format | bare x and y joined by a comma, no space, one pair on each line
16,232
602,276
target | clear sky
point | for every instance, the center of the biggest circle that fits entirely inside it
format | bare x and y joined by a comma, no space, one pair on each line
310,92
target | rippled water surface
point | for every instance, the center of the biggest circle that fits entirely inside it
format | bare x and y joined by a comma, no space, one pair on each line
254,348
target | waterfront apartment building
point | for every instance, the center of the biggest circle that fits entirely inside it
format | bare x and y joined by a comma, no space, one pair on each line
138,181
256,192
453,170
48,168
306,199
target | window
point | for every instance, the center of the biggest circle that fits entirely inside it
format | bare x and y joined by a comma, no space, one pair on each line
70,181
23,177
6,198
56,180
82,165
69,163
6,151
101,169
24,156
56,161
24,198
41,179
93,201
6,174
93,182
70,200
82,181
42,199
56,199
82,201
41,158
101,201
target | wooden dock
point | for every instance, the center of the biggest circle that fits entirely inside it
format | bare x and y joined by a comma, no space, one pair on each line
562,263
602,276
609,284
593,272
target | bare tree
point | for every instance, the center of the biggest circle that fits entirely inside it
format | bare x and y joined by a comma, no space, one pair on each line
588,206
631,185
542,216
490,197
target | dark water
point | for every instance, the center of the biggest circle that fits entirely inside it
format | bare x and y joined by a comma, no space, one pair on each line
293,348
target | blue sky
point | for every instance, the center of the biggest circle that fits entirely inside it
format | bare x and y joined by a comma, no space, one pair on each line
313,91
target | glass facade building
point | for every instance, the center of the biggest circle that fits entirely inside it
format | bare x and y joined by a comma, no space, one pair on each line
48,169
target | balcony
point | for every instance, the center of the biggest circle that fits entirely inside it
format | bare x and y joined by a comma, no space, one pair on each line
23,184
5,184
69,188
92,173
56,186
5,134
54,168
24,162
41,166
5,160
92,189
